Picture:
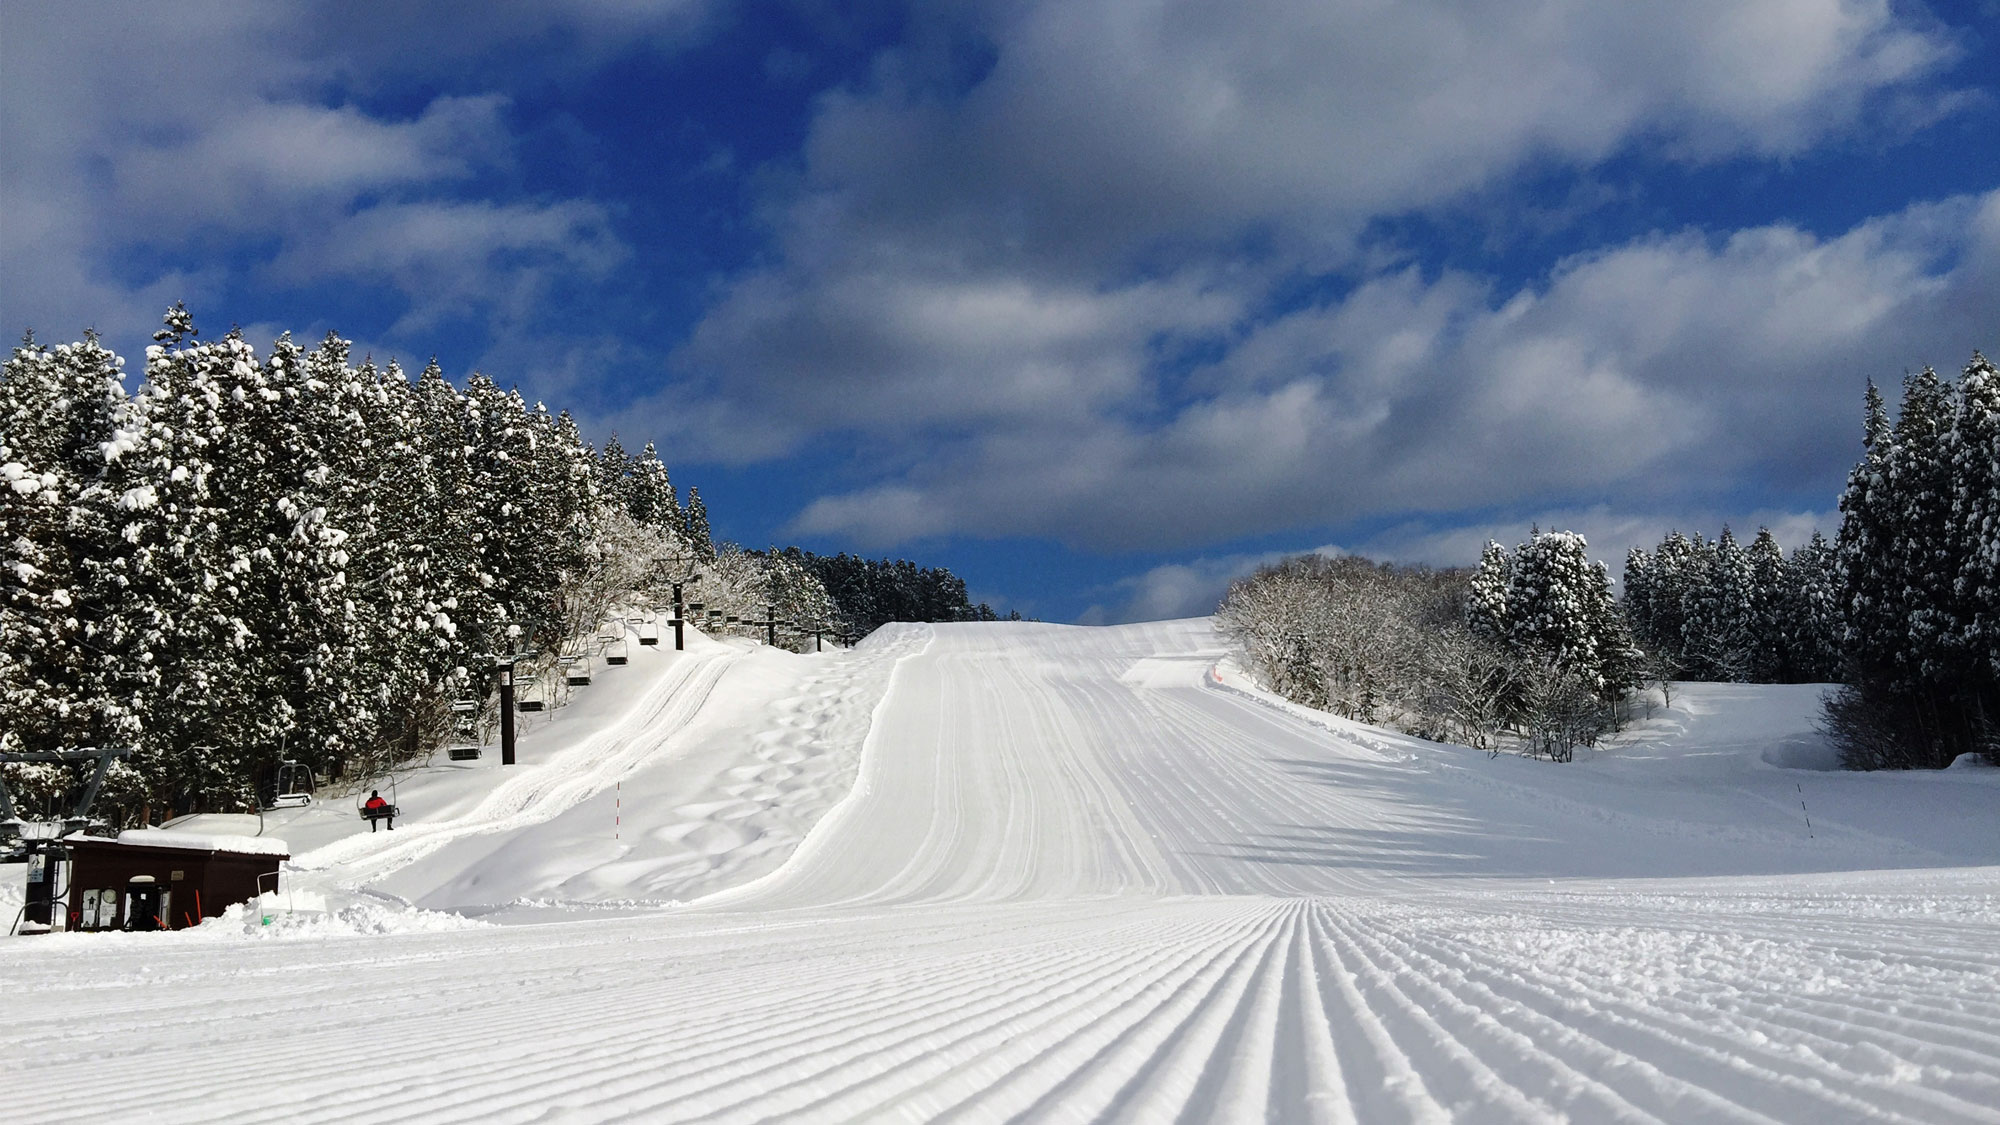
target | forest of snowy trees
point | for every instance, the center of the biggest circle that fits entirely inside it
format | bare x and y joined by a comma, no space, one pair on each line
1902,611
1531,644
1919,566
872,592
251,557
1715,610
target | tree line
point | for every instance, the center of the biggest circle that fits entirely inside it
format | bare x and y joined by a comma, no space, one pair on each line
1902,611
869,593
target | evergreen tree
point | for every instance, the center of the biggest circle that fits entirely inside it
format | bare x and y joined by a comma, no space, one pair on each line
1920,471
695,526
650,497
1679,574
1917,695
1560,606
56,409
1486,601
1768,658
1975,518
614,469
1811,619
1637,601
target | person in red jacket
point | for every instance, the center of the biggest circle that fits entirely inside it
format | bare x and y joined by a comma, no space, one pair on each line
378,809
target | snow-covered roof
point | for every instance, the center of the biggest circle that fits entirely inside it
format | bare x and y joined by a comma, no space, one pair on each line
195,841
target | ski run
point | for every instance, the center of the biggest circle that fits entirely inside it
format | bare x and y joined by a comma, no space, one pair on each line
1028,872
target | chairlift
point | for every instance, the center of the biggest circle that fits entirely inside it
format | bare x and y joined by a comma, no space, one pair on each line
464,745
576,669
613,646
527,692
649,628
390,813
295,785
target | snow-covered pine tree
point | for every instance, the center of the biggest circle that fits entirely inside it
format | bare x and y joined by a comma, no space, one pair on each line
1909,700
695,526
1770,659
1705,630
57,406
650,497
394,576
175,583
1811,613
1976,508
1557,603
614,470
566,489
1975,531
1920,472
1867,529
1622,665
463,610
1637,599
501,502
1486,610
1675,571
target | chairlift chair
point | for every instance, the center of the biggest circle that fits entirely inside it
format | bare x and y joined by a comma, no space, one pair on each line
576,668
295,785
527,692
613,645
464,745
389,813
649,628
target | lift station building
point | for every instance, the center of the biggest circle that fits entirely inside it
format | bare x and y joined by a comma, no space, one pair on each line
160,879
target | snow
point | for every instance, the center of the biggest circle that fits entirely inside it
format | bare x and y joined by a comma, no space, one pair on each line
1040,872
195,841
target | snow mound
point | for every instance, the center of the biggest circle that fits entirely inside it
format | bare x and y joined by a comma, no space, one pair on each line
359,919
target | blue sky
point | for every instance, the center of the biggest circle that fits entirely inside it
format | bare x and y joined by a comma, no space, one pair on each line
1097,303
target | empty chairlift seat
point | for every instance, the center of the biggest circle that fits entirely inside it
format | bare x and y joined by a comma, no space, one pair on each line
613,645
528,695
464,746
576,668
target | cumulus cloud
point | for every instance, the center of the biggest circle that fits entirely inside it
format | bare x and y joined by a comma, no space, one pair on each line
901,350
220,133
1184,589
1103,127
1039,257
1667,367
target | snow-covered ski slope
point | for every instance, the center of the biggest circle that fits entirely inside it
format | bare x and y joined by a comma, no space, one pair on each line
1026,872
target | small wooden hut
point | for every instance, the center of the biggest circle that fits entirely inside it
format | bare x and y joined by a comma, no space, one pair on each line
160,879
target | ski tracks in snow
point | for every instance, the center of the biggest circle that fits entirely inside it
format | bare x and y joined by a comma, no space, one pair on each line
1215,1008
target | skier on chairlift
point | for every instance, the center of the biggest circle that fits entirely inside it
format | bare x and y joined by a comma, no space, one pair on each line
379,809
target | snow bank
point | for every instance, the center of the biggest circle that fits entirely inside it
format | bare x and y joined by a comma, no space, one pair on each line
359,919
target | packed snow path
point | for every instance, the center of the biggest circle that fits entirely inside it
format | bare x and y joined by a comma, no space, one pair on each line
1080,877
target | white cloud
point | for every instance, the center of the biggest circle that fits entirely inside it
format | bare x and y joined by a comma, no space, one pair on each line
998,269
1104,126
203,130
1670,367
1188,589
